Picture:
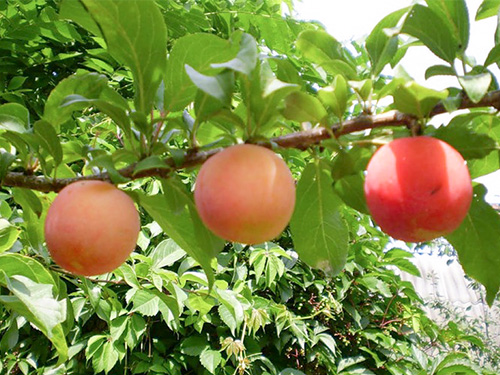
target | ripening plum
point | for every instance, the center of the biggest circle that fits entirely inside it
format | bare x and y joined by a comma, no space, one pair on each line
245,193
418,188
91,227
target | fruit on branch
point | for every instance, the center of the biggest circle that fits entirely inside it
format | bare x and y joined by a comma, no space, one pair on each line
418,188
91,227
245,194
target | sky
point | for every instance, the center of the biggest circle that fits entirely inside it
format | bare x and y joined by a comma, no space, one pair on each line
353,19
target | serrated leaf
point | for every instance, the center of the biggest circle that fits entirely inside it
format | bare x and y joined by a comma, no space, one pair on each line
228,318
145,302
176,213
319,232
351,190
198,51
477,242
476,86
136,36
166,253
335,96
35,302
427,26
12,123
151,162
210,359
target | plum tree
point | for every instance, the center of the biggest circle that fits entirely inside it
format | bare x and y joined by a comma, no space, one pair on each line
418,188
91,227
246,194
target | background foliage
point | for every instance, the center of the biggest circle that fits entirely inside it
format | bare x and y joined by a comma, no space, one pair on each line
139,93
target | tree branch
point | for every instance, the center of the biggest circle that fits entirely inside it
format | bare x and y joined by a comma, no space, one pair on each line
300,140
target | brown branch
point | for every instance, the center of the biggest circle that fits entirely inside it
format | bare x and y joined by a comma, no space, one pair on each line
299,140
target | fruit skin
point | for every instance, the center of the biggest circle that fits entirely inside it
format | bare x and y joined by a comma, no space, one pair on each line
91,227
245,194
418,189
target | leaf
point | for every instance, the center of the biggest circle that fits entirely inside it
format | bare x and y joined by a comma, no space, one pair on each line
14,124
16,110
351,190
326,51
210,359
48,137
380,44
415,99
335,96
477,242
456,16
302,107
145,302
319,232
8,235
194,345
176,213
493,56
136,36
428,27
246,59
88,85
166,253
36,303
198,51
488,8
228,318
75,11
470,144
476,86
6,160
439,70
219,86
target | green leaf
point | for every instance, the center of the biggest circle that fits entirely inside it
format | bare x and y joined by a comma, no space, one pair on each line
136,36
456,16
198,51
75,11
381,44
427,26
210,359
488,8
246,59
335,96
16,110
477,242
36,303
476,86
194,345
439,70
302,107
351,190
88,85
14,124
493,56
219,86
6,160
417,100
151,162
470,144
49,140
166,253
326,51
319,232
8,235
176,213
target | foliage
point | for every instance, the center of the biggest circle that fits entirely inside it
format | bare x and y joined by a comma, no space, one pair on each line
142,92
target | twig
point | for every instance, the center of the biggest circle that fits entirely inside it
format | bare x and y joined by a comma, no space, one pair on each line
300,140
